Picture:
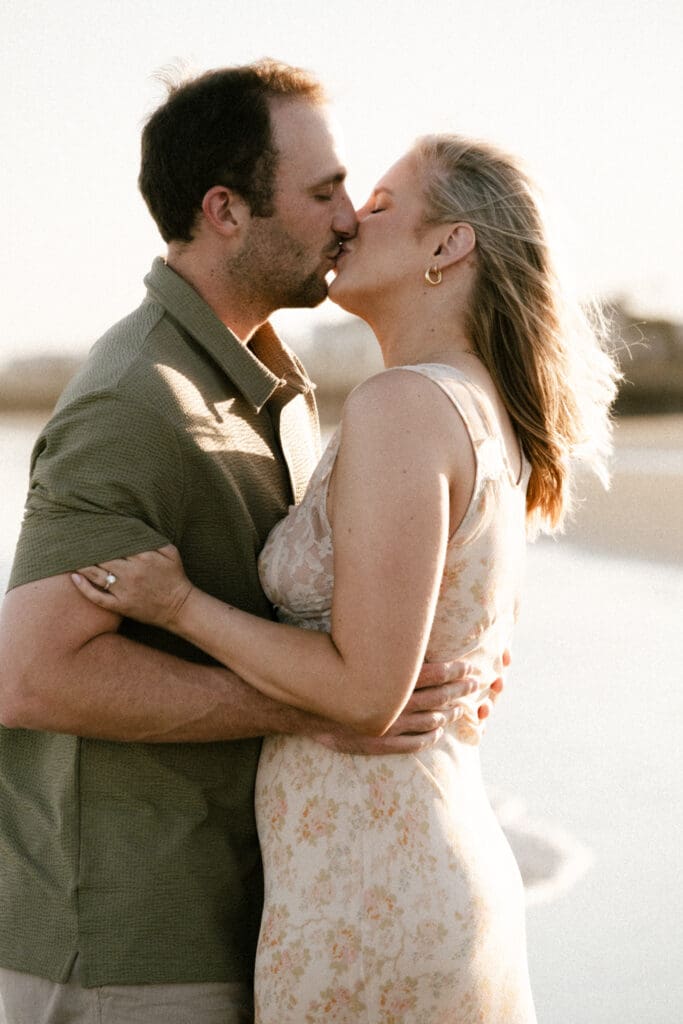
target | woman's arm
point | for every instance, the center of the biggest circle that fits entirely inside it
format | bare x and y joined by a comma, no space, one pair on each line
390,512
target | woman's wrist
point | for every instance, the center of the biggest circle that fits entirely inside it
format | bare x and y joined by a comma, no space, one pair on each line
180,610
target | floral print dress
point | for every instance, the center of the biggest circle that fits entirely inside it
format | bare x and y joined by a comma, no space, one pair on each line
391,894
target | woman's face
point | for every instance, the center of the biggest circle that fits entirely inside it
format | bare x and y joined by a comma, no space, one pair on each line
393,245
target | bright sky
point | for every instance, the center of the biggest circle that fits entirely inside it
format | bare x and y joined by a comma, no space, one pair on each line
589,92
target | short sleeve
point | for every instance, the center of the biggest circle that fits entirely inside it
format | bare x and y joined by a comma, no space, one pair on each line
106,481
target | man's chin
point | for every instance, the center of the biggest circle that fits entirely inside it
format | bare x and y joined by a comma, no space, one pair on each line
312,292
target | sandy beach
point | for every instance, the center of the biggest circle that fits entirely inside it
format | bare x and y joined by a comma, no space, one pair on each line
588,738
640,515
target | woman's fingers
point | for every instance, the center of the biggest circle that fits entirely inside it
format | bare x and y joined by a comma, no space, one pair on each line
150,586
99,575
108,573
92,590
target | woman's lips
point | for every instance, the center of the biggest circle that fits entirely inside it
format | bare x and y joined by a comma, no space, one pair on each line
343,251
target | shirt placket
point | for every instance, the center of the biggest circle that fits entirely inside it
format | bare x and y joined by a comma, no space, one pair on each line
293,415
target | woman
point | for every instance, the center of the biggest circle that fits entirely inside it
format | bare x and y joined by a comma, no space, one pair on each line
391,893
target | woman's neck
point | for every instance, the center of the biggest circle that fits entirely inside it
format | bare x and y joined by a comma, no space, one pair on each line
424,324
414,339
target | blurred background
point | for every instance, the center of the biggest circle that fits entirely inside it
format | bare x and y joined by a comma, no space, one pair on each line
583,753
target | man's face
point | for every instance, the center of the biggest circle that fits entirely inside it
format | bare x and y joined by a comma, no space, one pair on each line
287,256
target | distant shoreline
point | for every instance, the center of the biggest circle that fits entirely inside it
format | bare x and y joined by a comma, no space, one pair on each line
638,517
340,355
36,390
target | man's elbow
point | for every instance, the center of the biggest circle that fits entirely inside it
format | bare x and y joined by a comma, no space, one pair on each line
15,692
11,716
24,688
44,627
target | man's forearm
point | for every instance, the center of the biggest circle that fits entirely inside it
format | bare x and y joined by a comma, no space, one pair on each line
185,702
65,668
113,688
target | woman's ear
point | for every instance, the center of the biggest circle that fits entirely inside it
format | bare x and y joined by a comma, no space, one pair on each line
459,243
224,210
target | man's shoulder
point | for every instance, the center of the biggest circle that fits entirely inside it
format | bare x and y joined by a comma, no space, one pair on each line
117,397
121,356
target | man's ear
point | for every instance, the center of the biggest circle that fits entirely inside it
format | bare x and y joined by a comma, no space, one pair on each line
225,211
459,243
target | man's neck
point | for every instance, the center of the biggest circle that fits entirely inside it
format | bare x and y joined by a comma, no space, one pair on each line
241,314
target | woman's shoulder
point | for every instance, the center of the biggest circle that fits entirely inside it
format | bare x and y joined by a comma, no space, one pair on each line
387,381
411,382
399,391
400,409
425,391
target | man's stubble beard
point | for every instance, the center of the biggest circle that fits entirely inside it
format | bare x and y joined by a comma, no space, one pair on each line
267,267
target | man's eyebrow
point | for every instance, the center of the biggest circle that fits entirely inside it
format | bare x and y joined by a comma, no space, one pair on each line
332,179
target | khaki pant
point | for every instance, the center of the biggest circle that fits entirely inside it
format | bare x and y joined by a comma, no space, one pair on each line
27,999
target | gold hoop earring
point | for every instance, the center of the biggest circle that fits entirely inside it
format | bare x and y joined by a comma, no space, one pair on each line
436,279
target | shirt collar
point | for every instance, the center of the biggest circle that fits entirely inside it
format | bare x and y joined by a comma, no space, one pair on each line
253,378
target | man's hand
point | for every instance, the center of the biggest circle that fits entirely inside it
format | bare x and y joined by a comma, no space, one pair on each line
433,706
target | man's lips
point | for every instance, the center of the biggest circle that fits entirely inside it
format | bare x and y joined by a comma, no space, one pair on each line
340,250
336,256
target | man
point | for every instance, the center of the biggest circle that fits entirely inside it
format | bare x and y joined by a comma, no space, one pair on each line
130,879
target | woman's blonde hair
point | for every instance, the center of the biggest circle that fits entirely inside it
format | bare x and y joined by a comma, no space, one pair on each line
547,357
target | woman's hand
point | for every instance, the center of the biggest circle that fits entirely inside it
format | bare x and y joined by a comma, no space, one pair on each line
151,587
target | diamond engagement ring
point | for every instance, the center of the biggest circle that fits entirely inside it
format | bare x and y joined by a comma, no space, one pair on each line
109,581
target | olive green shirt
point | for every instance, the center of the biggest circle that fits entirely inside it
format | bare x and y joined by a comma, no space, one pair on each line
144,858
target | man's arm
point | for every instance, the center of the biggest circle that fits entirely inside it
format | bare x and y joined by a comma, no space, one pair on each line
64,668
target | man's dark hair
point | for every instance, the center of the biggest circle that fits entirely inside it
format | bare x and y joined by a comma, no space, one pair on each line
215,129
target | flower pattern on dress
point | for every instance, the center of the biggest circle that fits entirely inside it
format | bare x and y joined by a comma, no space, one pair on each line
382,798
337,1005
391,894
317,819
397,1000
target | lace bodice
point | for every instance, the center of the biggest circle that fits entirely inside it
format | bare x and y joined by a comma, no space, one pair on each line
479,592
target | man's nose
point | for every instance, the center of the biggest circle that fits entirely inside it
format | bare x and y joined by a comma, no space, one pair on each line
345,222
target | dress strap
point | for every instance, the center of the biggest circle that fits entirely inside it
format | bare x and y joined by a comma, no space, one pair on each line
476,410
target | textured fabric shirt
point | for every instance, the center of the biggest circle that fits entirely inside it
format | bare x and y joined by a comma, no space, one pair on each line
144,857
